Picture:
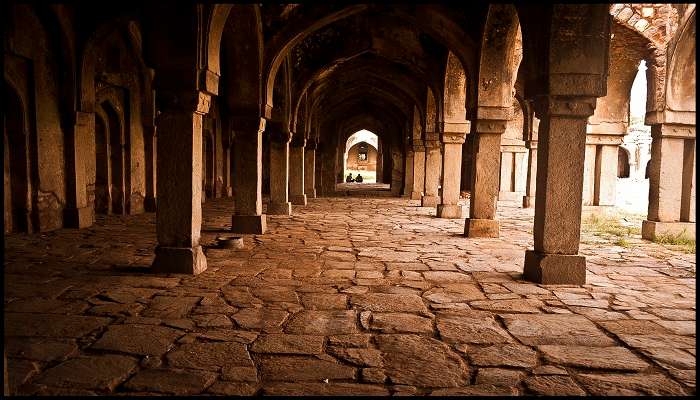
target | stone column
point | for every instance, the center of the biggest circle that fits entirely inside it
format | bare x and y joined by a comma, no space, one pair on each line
432,169
408,172
557,226
671,182
279,171
296,164
248,146
418,169
379,170
529,198
606,175
78,213
453,136
310,170
600,169
179,210
149,134
485,174
588,175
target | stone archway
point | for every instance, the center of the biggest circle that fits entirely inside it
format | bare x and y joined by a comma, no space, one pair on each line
103,200
16,179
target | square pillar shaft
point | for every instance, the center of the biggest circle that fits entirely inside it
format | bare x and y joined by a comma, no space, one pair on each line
310,172
279,179
432,173
688,196
296,174
671,182
179,210
78,213
605,175
452,175
248,146
561,153
589,175
408,174
486,156
530,187
418,172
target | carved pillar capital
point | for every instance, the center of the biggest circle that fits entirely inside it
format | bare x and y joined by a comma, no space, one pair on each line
298,141
564,106
277,132
491,126
454,137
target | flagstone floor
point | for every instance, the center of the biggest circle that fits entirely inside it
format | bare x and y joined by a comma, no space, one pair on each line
347,296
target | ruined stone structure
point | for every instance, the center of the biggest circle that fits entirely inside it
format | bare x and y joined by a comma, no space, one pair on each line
238,117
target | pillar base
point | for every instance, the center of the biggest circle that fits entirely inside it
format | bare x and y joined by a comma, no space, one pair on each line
179,260
253,224
554,269
228,191
652,229
510,196
475,227
149,204
449,211
299,200
416,195
279,208
78,217
429,201
311,194
528,201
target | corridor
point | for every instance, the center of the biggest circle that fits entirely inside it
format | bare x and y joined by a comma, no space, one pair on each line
370,296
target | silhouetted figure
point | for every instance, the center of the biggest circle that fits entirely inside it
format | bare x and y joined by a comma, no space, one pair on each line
358,179
348,179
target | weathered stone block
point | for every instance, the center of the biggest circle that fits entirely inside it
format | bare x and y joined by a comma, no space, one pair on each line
179,260
253,224
652,229
449,211
475,227
554,269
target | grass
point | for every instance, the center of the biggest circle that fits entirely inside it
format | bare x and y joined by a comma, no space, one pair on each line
610,225
622,243
684,243
620,226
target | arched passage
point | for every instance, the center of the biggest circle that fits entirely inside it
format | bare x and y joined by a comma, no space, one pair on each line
361,156
16,168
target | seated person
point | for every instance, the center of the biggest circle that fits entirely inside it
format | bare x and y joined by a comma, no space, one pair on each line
358,179
348,179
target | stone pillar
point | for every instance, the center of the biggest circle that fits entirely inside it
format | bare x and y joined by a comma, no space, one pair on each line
606,175
529,198
557,226
279,171
486,155
78,213
453,136
588,175
179,210
296,178
418,169
149,134
247,181
310,169
408,172
432,169
600,168
671,182
379,171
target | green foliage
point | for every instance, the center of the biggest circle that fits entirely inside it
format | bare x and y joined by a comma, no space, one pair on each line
681,240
